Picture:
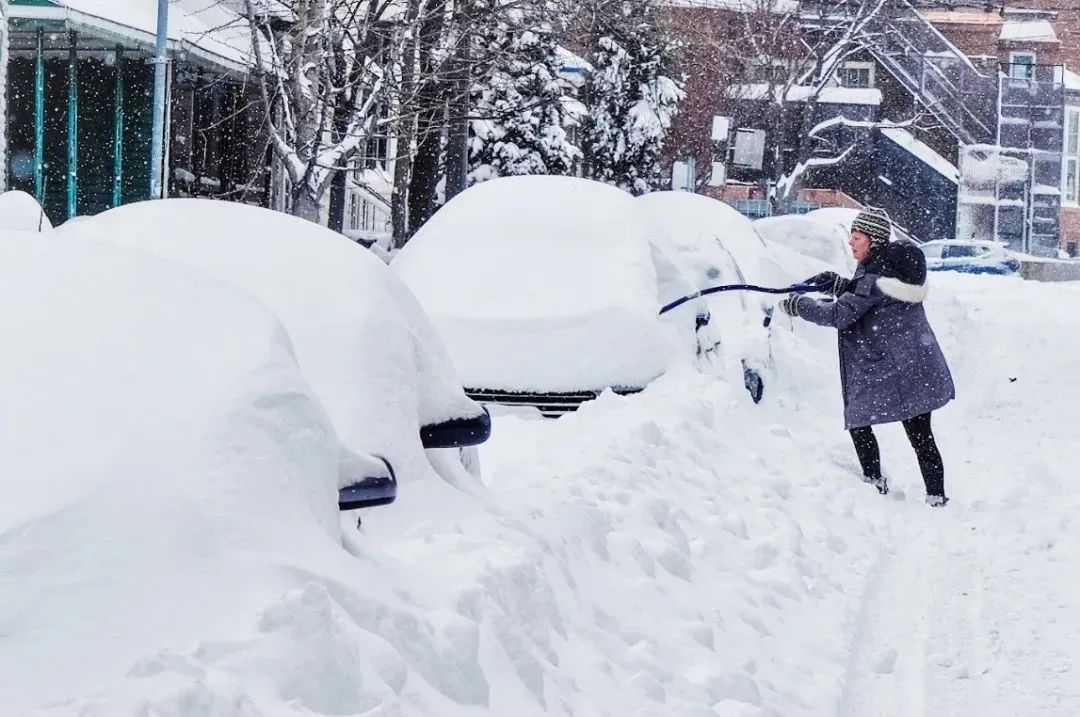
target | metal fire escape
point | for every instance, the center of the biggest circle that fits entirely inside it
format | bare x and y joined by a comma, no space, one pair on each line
1008,123
1010,189
941,77
961,95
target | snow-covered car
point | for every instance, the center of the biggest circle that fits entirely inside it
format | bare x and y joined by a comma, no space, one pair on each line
544,289
969,256
711,244
164,466
20,212
360,336
548,289
822,235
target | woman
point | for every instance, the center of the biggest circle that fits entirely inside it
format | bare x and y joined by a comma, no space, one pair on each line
891,367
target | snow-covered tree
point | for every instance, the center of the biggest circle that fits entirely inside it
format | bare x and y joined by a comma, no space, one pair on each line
519,118
320,66
632,95
776,58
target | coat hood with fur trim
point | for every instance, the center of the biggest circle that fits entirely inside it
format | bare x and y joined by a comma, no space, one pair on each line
904,276
902,291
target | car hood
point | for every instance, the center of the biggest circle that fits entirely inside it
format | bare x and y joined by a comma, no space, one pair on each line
587,352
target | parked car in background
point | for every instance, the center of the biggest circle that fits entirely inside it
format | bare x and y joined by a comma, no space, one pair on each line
360,337
969,256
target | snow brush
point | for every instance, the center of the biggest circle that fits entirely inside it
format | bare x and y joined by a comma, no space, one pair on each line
793,289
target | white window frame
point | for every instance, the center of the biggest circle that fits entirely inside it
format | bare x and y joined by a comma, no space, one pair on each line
859,65
374,151
1070,196
684,175
1013,64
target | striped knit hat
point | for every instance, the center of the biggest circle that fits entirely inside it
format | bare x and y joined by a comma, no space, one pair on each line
874,223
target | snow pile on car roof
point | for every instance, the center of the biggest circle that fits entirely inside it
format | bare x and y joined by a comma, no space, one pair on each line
541,283
360,337
821,236
20,212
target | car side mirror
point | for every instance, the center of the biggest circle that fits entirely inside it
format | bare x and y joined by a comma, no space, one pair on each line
457,432
369,481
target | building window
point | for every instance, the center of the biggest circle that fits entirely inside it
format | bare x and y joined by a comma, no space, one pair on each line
354,212
856,74
286,191
1022,65
376,151
1071,164
684,176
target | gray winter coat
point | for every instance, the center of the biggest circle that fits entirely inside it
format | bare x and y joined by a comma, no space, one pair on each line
891,367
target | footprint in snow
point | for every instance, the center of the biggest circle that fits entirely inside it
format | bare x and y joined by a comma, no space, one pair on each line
886,662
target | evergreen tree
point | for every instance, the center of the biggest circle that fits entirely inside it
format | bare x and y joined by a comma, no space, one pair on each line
517,102
632,96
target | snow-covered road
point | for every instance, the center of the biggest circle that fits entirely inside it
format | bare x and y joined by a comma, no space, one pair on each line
683,552
677,553
977,611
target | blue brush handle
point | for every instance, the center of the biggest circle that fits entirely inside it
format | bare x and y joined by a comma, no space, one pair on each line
793,289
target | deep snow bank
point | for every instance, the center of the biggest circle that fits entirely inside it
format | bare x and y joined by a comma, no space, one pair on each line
679,552
20,212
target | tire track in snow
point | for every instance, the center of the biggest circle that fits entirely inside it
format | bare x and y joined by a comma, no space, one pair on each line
984,629
886,675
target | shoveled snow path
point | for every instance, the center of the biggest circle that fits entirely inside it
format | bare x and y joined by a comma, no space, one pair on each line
973,610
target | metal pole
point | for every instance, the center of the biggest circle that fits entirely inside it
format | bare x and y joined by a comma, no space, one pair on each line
73,129
158,127
39,118
118,131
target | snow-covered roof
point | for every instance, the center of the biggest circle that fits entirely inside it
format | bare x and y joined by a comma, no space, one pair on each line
777,6
828,95
572,67
205,29
960,17
923,152
1040,31
574,108
1072,80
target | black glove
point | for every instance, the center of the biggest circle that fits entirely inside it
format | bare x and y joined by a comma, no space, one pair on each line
828,282
790,305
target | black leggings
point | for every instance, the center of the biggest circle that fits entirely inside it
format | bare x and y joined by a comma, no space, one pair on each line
922,440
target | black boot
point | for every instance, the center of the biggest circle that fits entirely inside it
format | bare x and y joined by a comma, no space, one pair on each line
879,482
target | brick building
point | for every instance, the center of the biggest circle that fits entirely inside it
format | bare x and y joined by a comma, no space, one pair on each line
1000,160
1042,34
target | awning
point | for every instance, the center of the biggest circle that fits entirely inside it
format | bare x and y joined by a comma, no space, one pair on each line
1034,31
